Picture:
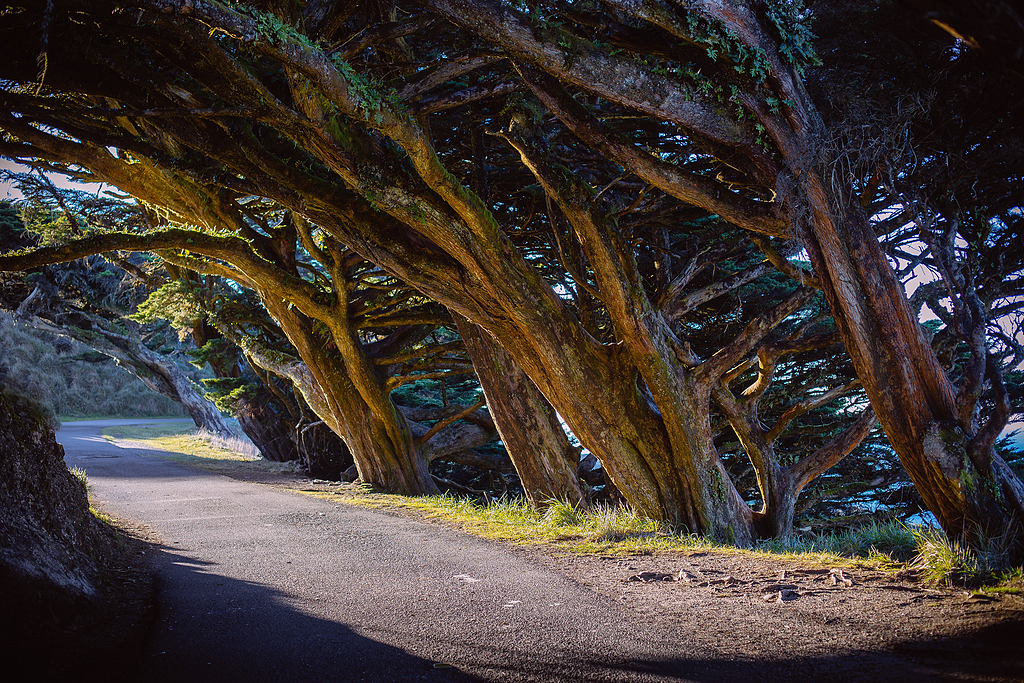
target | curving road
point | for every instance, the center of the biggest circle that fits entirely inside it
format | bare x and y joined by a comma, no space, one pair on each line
256,584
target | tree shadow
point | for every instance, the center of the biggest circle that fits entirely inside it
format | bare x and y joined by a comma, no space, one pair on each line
211,627
992,653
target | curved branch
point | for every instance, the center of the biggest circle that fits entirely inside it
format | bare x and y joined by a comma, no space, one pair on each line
802,407
449,420
753,333
806,469
687,187
783,264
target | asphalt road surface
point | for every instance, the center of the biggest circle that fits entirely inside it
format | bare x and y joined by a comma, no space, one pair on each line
256,584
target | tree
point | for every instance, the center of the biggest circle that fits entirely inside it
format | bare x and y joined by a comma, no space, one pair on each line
909,392
327,111
274,417
935,137
87,300
547,464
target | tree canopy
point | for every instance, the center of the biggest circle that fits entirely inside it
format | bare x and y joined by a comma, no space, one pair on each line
600,187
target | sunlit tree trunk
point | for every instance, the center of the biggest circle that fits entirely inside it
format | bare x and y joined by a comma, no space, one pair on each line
384,450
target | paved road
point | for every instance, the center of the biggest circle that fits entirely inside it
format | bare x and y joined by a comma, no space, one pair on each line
256,584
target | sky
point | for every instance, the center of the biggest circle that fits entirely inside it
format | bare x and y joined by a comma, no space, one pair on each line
9,191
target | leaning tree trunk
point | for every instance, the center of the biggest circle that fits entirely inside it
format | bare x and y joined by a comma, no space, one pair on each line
322,452
384,450
781,485
282,420
155,371
270,430
971,490
260,410
546,462
285,433
974,495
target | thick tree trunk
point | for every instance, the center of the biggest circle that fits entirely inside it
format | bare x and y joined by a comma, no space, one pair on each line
284,422
652,387
973,498
538,446
971,491
780,486
270,431
637,410
286,435
322,452
259,411
385,454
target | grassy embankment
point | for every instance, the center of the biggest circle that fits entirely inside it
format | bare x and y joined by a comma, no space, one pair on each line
70,381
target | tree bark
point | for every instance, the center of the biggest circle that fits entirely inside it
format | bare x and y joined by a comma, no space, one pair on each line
322,380
973,494
538,446
266,429
973,498
645,416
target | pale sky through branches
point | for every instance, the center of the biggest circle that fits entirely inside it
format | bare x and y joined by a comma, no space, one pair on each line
9,190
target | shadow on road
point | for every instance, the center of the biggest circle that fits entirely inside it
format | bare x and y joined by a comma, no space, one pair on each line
247,632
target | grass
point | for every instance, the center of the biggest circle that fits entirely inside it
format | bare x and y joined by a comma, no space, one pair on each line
602,529
111,523
885,545
52,372
886,542
946,562
186,443
81,476
612,530
104,517
1008,582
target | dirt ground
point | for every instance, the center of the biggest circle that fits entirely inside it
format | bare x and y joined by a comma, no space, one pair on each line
779,614
784,614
